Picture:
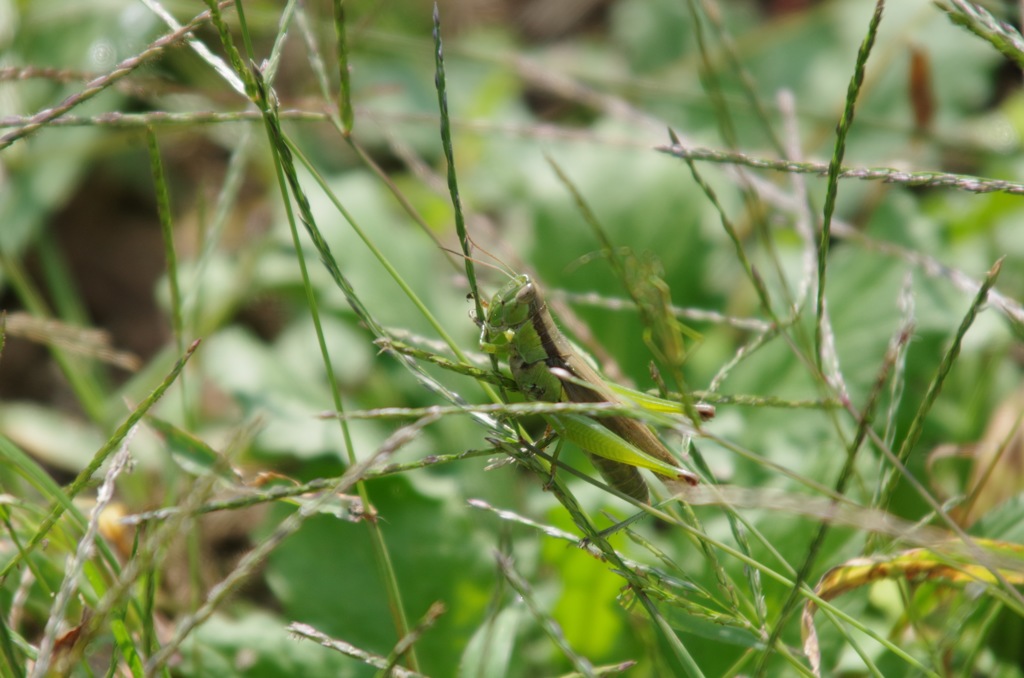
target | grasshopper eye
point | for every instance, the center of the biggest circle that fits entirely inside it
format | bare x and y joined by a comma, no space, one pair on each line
526,294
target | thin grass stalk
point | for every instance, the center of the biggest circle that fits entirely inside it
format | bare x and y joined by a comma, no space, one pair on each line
87,391
76,564
350,650
344,76
975,18
723,116
13,664
611,254
1008,594
343,284
198,46
738,526
148,551
449,155
532,459
935,386
120,120
748,561
899,177
219,593
550,626
725,582
15,649
898,382
163,208
602,301
316,61
832,189
118,601
932,267
287,492
26,467
760,340
421,627
229,44
61,289
759,567
866,417
977,646
497,645
288,179
406,204
394,273
803,219
811,596
234,57
869,662
290,12
748,267
713,15
150,641
381,552
99,84
101,455
712,86
227,199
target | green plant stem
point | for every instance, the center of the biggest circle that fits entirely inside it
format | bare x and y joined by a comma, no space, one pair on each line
288,179
83,478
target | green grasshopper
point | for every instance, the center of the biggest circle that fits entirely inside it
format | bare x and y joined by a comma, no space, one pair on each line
546,367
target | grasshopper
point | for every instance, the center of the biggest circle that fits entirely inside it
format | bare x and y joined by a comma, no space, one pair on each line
547,367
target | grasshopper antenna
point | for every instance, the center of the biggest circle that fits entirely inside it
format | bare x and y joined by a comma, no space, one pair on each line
500,267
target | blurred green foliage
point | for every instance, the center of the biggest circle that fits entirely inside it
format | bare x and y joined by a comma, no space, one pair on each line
594,98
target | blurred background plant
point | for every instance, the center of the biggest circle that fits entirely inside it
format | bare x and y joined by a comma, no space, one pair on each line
153,186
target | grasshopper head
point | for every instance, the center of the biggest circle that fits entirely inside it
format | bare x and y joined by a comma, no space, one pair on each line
510,307
508,310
